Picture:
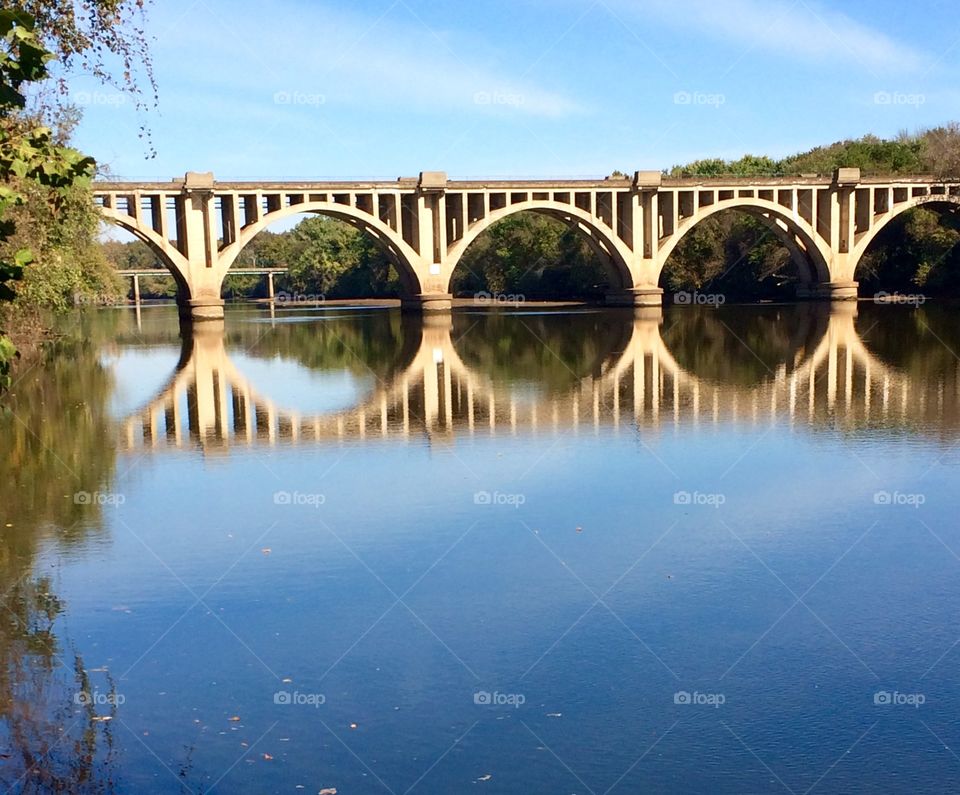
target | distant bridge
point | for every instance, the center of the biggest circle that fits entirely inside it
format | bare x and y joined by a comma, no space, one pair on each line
197,226
210,404
134,275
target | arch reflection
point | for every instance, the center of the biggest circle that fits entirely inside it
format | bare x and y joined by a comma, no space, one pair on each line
454,376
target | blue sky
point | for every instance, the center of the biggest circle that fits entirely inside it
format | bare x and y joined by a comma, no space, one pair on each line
384,88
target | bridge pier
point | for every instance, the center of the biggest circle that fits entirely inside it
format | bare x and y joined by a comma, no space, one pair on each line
636,296
194,310
427,302
828,291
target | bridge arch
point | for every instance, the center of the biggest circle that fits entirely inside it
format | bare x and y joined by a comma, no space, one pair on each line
940,201
613,253
404,258
810,252
167,254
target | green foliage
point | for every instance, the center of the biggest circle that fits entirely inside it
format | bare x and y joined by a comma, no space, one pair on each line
918,251
935,151
47,217
266,250
29,157
133,255
69,265
730,253
8,354
870,154
330,258
137,255
532,255
319,253
931,241
22,59
942,150
746,166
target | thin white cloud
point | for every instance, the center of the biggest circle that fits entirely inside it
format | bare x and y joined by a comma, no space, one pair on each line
345,58
802,29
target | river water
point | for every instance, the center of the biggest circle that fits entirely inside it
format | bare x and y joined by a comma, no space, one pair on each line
512,551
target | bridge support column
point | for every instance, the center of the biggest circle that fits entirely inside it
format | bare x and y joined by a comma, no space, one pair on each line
136,289
829,291
427,302
195,310
636,296
198,244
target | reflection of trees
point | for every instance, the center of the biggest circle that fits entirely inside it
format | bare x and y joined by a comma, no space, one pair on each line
50,742
54,442
742,345
362,343
548,351
923,344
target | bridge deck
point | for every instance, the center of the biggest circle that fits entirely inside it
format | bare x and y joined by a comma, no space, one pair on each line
501,183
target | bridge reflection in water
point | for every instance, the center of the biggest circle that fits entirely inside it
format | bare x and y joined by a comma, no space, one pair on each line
826,376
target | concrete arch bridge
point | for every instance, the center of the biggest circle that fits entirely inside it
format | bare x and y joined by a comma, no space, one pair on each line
197,226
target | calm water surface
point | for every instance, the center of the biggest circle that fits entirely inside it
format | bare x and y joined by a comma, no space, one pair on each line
689,551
